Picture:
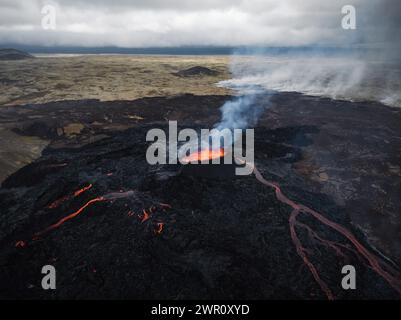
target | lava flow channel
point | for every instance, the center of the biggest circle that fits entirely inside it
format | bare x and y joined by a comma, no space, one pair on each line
77,193
69,217
380,267
107,197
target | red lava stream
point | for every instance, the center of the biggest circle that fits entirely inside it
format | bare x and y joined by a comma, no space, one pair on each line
69,217
382,268
379,266
107,197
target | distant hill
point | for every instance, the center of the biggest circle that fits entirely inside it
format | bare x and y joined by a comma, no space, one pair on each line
13,54
196,71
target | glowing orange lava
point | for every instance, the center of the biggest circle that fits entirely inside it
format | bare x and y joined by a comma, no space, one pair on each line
145,216
71,216
77,193
204,155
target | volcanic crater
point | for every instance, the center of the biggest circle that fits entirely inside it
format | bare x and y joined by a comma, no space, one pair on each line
116,227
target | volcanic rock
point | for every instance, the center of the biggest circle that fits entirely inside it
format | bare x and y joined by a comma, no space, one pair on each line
151,232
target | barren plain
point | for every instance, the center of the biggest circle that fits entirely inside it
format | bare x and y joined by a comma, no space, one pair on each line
105,77
102,77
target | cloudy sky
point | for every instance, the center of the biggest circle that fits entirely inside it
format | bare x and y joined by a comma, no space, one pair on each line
147,23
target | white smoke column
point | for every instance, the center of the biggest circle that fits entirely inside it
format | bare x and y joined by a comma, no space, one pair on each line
239,113
242,111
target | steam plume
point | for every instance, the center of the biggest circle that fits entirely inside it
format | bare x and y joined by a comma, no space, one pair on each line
365,66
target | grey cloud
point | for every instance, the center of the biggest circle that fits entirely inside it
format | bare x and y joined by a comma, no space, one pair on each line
207,22
154,4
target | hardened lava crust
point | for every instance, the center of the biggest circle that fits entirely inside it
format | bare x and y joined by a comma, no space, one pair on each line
114,226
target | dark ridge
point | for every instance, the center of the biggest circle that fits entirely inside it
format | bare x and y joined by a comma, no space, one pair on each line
196,71
13,54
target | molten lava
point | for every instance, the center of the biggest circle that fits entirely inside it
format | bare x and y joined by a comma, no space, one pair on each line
107,197
77,193
70,216
145,216
204,155
383,269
